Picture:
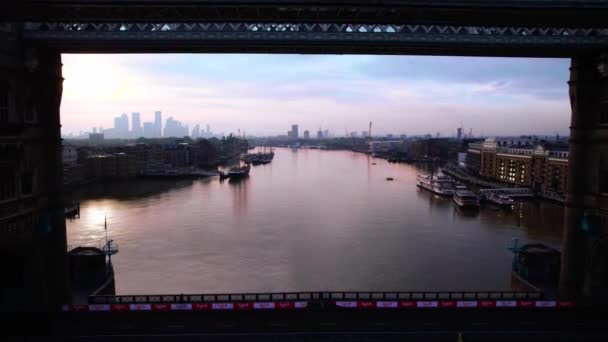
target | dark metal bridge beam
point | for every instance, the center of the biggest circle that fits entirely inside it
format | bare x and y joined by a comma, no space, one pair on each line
322,325
334,38
545,13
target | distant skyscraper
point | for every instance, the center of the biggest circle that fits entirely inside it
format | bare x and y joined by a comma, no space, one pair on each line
319,134
158,124
196,132
306,134
125,122
353,134
208,130
121,126
459,133
326,133
364,134
149,129
294,129
174,128
293,134
135,125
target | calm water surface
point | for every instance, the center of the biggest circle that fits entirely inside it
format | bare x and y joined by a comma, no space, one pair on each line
311,220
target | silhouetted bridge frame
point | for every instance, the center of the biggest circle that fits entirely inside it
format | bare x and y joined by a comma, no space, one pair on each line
543,28
41,30
297,37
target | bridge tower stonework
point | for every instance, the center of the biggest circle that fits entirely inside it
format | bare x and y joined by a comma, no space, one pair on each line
584,271
32,224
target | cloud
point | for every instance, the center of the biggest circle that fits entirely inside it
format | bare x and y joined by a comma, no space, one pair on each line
264,94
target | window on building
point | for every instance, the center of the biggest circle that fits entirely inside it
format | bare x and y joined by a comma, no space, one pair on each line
7,184
27,183
4,101
30,113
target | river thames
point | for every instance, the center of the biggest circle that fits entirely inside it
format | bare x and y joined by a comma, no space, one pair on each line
312,220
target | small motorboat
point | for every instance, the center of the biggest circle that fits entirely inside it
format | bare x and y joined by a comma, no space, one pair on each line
503,201
389,178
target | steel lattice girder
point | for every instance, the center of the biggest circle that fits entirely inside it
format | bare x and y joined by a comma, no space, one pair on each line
324,37
541,13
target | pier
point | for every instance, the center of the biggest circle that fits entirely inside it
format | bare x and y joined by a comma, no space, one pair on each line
511,192
462,176
178,173
498,188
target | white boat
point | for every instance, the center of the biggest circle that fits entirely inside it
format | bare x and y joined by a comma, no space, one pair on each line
464,198
500,200
440,184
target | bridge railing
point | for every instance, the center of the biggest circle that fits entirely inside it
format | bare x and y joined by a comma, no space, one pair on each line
312,297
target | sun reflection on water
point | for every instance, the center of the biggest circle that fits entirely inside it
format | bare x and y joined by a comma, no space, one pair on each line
93,215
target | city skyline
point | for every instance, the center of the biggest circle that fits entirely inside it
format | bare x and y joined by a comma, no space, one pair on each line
401,94
175,128
122,129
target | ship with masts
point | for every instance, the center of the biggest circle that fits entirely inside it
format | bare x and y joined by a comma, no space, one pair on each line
264,155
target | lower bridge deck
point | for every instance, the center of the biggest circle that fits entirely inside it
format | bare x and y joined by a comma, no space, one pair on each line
321,299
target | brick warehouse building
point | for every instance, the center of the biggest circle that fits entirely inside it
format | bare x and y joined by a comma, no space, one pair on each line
527,165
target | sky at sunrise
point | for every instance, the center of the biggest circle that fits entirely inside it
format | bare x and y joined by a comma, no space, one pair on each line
265,94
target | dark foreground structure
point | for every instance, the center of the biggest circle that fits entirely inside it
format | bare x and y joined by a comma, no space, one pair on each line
334,325
34,33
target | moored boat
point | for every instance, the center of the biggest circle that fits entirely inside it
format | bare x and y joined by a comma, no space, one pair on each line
241,171
464,198
440,184
259,157
500,200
